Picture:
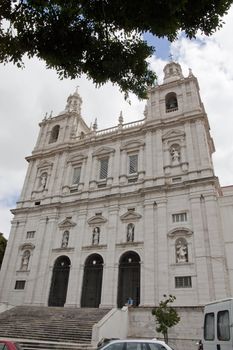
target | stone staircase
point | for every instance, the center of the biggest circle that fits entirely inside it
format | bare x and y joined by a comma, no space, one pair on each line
50,327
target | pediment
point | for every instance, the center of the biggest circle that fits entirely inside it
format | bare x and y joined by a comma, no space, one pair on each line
67,223
133,144
45,164
27,246
103,151
76,158
96,220
173,134
179,232
130,216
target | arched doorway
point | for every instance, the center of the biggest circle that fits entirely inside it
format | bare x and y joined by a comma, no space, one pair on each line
59,284
92,281
129,279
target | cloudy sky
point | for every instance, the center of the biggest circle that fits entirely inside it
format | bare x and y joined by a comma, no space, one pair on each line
26,95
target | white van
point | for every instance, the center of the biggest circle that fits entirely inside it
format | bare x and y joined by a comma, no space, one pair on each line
218,325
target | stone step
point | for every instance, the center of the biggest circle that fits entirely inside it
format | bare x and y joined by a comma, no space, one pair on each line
50,324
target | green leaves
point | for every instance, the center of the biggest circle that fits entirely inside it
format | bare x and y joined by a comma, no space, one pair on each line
166,316
100,38
3,243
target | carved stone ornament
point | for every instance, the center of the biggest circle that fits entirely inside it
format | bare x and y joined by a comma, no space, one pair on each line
174,134
27,246
180,232
130,216
133,144
103,151
66,223
96,220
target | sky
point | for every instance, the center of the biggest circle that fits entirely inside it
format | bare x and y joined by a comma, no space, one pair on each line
26,95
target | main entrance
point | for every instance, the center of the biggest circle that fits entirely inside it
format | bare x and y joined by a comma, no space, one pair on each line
129,279
59,284
92,281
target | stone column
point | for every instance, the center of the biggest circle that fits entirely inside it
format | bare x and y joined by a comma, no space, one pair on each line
159,157
215,236
68,177
82,175
141,166
94,174
167,159
150,170
147,266
190,148
42,265
202,259
74,290
124,164
110,169
161,251
110,271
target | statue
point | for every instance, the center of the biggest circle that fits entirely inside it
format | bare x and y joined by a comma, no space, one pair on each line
96,236
25,260
175,154
43,181
181,252
130,233
65,239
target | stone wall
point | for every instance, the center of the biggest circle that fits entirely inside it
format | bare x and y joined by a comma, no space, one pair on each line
183,336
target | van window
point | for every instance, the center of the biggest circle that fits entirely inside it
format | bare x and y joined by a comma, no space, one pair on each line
223,325
209,326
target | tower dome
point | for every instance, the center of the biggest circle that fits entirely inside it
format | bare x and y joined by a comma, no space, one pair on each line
74,103
172,72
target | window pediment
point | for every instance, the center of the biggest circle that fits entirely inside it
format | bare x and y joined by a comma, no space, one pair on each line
173,134
27,246
96,220
180,232
45,164
133,144
130,216
103,151
66,223
78,158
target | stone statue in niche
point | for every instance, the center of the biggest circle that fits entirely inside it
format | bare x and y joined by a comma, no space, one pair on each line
130,233
175,154
25,260
181,251
65,239
96,235
43,181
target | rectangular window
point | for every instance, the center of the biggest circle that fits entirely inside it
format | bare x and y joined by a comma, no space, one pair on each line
76,176
209,326
30,234
183,282
103,168
223,325
179,217
133,164
20,284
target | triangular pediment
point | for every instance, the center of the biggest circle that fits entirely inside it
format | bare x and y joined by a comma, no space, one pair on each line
130,216
103,150
67,223
133,144
173,134
96,220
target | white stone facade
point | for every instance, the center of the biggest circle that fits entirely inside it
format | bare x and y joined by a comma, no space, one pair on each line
84,188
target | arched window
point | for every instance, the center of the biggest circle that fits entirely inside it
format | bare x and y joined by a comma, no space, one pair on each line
171,102
54,134
181,247
130,233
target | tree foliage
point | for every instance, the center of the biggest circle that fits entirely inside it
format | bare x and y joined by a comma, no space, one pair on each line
166,316
3,243
100,38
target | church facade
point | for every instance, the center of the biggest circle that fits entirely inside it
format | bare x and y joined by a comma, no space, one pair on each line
134,211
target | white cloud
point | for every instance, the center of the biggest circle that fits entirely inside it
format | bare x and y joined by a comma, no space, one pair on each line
27,94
